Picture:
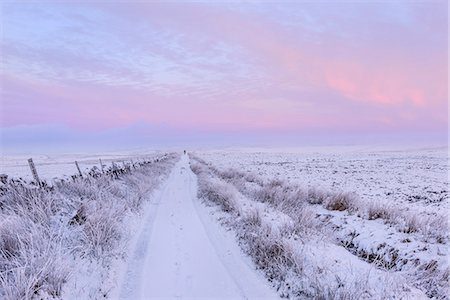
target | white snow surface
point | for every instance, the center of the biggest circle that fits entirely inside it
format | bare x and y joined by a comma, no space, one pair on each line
413,180
182,252
416,176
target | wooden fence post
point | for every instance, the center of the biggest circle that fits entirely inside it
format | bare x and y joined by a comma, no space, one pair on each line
34,172
101,165
78,167
114,170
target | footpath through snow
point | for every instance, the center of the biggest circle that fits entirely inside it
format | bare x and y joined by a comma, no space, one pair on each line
181,252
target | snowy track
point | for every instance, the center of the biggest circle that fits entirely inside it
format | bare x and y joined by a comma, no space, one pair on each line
181,253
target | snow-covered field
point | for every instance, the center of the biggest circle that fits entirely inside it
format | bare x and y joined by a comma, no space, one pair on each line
416,176
311,223
387,207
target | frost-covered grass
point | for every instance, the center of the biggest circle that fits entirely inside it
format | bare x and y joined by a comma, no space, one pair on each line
288,197
414,176
385,234
45,233
31,258
284,244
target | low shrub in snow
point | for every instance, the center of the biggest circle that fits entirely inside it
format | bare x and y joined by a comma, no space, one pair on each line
435,227
236,176
316,196
216,191
252,218
341,201
378,210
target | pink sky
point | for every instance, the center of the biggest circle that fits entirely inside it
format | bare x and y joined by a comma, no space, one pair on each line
229,68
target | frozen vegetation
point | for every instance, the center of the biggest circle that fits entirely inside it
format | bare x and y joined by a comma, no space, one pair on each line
403,239
61,240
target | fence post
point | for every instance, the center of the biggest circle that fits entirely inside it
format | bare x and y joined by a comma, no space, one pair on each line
114,169
78,167
101,165
34,172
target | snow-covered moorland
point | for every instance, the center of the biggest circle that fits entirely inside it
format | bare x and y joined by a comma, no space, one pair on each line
61,240
336,222
341,223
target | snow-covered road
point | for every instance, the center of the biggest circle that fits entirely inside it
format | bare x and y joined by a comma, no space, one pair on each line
181,252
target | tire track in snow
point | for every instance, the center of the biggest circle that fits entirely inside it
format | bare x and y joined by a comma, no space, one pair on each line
132,278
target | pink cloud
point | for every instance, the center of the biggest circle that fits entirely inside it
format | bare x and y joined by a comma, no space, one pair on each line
202,66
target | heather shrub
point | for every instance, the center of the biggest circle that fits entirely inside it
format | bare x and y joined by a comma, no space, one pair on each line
379,210
341,201
316,196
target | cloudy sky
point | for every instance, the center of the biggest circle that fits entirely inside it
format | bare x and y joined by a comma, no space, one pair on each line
123,73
